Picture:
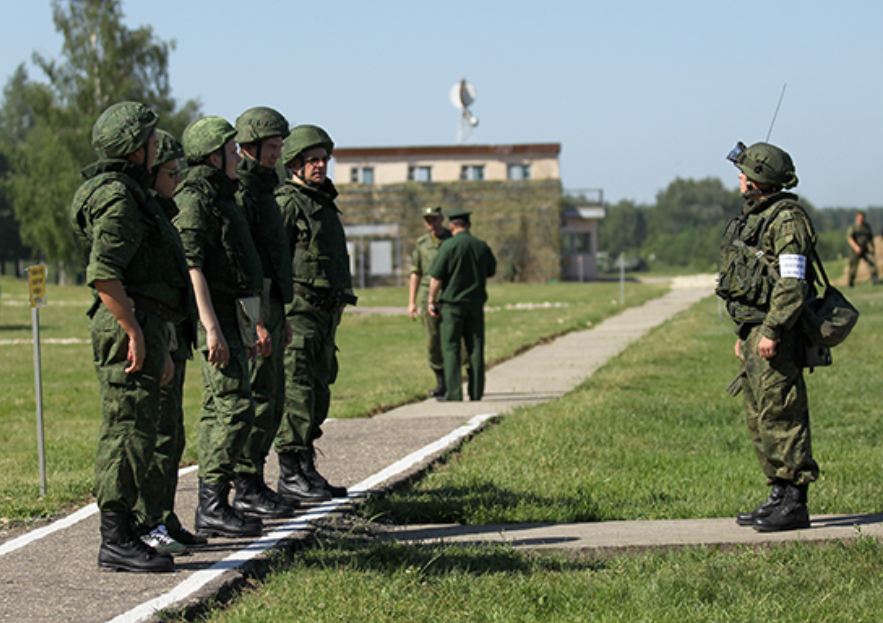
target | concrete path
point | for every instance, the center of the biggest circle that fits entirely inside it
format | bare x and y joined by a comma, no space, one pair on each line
51,574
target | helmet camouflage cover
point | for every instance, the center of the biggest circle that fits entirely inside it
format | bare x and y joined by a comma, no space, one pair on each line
168,148
764,163
206,136
258,123
123,129
304,138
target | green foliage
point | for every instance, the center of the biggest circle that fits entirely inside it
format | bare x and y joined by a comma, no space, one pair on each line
45,128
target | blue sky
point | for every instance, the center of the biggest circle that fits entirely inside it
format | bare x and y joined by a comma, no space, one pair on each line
636,92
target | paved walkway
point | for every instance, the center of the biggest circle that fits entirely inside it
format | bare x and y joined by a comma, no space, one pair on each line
51,574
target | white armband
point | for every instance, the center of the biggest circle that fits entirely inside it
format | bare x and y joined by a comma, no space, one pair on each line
793,266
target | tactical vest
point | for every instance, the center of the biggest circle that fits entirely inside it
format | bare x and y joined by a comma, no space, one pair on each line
747,275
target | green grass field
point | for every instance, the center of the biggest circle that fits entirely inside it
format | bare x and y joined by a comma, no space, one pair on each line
650,435
520,315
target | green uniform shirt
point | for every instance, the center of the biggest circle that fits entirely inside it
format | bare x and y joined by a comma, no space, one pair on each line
425,252
315,235
862,235
125,236
215,233
463,265
256,196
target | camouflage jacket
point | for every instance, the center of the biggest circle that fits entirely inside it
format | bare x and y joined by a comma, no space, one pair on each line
424,255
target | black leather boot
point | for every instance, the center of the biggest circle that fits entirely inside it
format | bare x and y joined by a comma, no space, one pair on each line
766,507
790,514
294,484
254,499
121,550
440,387
308,468
215,517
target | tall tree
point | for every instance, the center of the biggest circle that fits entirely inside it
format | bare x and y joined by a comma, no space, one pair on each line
45,128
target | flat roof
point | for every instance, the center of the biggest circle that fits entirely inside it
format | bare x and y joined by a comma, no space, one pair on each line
532,149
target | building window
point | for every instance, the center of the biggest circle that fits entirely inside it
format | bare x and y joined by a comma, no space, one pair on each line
576,243
473,172
362,175
419,174
518,172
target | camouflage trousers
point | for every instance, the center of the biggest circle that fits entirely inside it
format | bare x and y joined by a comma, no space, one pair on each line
156,502
854,259
777,410
268,391
310,370
129,406
227,413
432,325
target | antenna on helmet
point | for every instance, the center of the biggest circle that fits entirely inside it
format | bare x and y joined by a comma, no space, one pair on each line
776,114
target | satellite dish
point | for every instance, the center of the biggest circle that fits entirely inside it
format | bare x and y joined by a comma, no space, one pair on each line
462,96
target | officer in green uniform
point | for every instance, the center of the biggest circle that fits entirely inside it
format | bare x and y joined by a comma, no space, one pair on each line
861,246
135,265
225,270
322,287
459,284
162,528
424,254
766,276
260,132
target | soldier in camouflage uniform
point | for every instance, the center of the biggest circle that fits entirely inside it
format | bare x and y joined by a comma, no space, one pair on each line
135,264
424,254
156,504
322,287
227,279
260,132
861,246
766,276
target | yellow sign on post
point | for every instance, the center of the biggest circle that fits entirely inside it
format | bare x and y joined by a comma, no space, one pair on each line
37,285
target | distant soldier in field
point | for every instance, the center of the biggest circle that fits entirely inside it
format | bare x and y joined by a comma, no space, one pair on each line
861,247
766,277
424,254
135,265
457,294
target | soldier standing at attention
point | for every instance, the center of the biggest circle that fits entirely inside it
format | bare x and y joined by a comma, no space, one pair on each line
861,245
459,284
156,504
322,287
135,266
225,270
766,276
260,132
418,289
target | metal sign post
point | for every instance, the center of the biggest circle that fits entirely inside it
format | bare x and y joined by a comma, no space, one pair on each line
37,288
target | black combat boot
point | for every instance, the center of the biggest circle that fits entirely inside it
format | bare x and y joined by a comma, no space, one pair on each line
293,483
121,550
790,514
215,517
440,387
766,507
308,468
253,499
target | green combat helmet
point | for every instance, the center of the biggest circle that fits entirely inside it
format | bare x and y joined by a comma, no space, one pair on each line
304,138
123,129
168,148
258,123
763,163
206,136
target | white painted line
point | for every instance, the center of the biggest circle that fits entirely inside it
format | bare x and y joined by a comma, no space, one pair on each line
201,578
61,524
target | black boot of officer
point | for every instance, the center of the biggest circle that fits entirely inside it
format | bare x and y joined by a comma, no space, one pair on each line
790,514
253,497
121,550
777,494
308,468
440,387
215,517
294,484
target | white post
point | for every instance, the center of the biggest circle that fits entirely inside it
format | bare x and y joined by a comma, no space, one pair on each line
622,278
38,386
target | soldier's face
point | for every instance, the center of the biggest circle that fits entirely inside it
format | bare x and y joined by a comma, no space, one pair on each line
271,151
315,165
743,183
151,150
433,223
233,158
167,177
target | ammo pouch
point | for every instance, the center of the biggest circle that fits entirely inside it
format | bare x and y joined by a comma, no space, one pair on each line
745,281
248,312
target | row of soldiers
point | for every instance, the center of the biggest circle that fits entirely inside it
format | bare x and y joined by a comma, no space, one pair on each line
219,259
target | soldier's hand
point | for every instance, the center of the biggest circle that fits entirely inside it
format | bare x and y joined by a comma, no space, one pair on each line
738,350
434,311
168,371
766,348
413,311
218,350
289,332
137,351
265,342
